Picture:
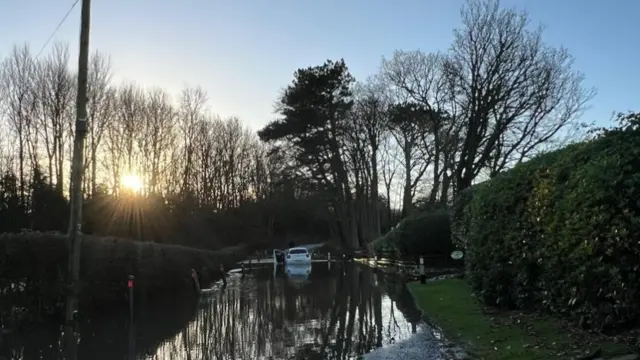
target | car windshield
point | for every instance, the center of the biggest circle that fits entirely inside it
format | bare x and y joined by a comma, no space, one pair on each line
297,251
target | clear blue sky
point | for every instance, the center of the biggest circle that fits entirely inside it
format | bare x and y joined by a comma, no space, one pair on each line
243,51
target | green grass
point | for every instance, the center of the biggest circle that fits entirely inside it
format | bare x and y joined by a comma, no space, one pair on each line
494,335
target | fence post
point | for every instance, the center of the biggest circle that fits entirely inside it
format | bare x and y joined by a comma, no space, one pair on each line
224,275
132,338
196,282
423,276
130,285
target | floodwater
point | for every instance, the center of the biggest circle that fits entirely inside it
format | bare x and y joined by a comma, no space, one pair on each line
320,311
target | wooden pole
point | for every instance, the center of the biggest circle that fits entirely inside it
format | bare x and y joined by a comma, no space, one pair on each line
77,168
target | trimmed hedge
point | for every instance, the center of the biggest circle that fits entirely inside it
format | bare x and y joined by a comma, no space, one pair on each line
33,267
423,234
458,216
562,233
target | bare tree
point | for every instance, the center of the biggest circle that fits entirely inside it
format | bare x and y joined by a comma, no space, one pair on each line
192,103
18,104
55,89
101,106
515,92
370,124
121,136
418,78
209,131
189,160
231,143
160,133
131,106
408,122
389,168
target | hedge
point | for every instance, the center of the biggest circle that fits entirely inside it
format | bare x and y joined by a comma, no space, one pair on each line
33,268
561,233
423,234
458,217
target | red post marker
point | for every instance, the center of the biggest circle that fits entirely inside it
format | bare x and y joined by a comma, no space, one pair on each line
131,291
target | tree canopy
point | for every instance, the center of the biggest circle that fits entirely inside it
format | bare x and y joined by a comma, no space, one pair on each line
343,159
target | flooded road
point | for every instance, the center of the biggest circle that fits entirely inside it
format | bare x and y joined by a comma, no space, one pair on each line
304,312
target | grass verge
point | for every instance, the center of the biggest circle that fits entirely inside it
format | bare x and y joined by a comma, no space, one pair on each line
497,335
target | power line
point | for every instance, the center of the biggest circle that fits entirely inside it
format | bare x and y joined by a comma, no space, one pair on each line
57,28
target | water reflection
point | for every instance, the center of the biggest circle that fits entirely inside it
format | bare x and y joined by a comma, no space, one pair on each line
302,312
297,273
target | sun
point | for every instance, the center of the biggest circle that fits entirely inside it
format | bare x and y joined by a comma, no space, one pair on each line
132,183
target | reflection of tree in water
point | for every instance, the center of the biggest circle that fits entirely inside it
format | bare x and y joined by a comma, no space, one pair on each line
103,338
330,317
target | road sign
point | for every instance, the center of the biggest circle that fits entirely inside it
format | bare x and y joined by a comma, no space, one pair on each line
457,255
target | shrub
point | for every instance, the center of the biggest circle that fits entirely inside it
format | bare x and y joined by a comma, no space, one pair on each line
33,268
560,233
459,226
423,234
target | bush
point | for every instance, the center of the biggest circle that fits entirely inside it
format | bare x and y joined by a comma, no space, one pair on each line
459,225
424,234
33,267
561,233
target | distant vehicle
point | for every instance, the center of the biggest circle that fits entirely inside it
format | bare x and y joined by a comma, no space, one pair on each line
297,255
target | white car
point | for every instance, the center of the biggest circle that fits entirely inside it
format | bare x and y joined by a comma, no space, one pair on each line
297,255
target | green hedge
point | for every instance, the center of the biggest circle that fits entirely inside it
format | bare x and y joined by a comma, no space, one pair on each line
560,233
33,268
458,216
426,234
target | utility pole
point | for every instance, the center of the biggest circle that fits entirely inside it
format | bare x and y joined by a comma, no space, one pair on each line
77,169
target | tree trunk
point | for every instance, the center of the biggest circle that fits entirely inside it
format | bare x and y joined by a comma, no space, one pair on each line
94,171
407,199
375,211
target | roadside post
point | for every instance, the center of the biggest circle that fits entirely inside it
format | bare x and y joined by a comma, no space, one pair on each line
224,275
132,338
130,285
196,281
423,276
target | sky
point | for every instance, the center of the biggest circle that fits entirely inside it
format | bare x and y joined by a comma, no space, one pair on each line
243,52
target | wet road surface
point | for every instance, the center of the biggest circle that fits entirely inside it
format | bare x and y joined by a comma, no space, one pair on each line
319,311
